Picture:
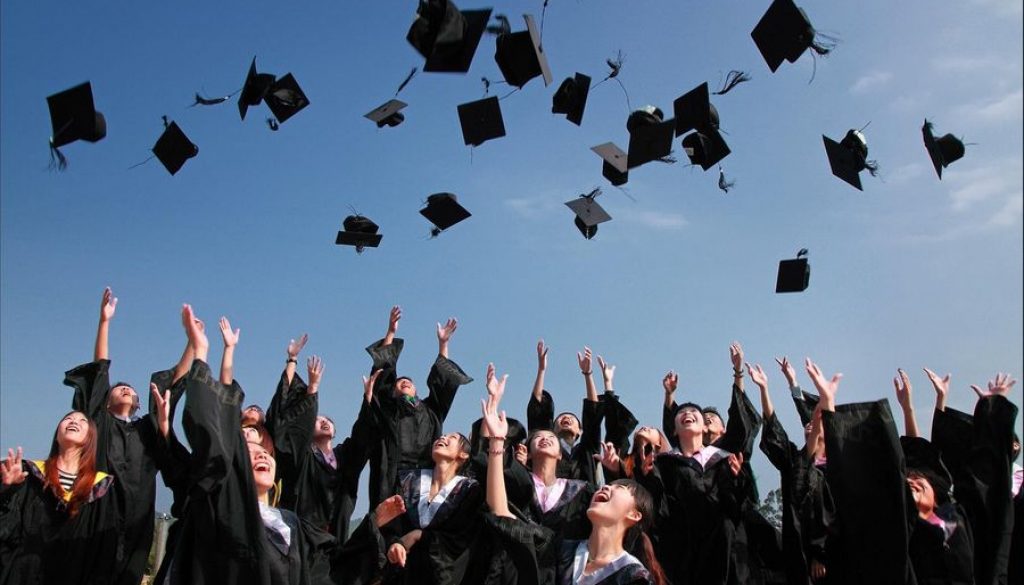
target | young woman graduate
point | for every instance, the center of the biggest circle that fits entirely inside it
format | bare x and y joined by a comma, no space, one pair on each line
133,450
619,513
406,427
578,441
59,523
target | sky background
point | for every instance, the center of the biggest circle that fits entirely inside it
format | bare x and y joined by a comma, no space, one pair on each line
911,272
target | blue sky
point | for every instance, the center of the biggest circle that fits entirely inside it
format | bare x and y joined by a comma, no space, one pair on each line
912,272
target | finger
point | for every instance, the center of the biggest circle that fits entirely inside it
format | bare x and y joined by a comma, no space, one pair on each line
167,397
977,391
946,379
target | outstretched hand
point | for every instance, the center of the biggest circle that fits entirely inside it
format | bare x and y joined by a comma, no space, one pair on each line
736,463
230,337
11,471
542,355
1000,386
108,305
163,409
758,376
494,422
444,332
195,330
393,318
736,356
903,389
607,372
389,509
585,361
787,370
495,387
826,388
315,372
670,382
941,385
294,347
368,384
608,457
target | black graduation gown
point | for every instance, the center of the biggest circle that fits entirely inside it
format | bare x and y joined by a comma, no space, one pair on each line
41,544
619,422
442,554
223,538
806,503
938,558
402,431
133,452
578,460
978,452
866,476
318,493
698,511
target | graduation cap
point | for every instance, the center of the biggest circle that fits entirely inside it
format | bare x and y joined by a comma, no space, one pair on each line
784,33
571,98
650,138
255,88
520,57
849,157
589,213
694,111
74,117
794,275
443,210
360,232
285,98
481,121
943,150
173,148
615,167
923,458
706,148
445,36
388,114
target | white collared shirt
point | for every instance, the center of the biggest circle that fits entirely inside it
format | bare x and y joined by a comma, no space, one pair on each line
548,496
579,565
428,507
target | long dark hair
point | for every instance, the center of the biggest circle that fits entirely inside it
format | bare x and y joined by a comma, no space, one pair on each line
636,541
86,477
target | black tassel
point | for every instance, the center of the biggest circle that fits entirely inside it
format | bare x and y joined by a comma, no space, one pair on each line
166,123
405,82
543,13
734,78
272,124
592,194
487,85
434,232
872,167
615,65
58,162
201,101
503,26
723,184
823,44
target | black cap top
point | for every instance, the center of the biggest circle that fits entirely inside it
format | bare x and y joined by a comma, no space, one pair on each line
74,117
443,210
481,121
944,150
571,98
706,148
649,137
285,98
520,55
849,157
794,275
694,111
388,114
255,88
589,213
359,231
615,168
783,33
173,148
445,36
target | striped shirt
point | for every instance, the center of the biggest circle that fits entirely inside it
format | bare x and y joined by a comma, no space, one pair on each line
67,480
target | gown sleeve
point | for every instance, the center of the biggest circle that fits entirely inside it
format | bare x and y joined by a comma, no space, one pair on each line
443,381
619,422
91,383
211,416
590,442
540,414
776,446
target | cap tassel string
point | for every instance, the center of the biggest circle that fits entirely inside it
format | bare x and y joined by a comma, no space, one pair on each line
724,184
543,12
58,161
203,101
732,79
406,81
273,125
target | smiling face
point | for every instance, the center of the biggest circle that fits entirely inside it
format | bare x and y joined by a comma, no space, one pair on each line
73,431
922,492
689,422
567,424
122,400
264,468
544,444
252,435
323,428
713,426
404,387
450,447
612,504
649,436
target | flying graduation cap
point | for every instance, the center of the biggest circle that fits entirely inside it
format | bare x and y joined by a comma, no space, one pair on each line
520,56
173,148
943,150
849,157
650,136
255,88
389,114
589,213
358,231
445,36
794,275
74,117
443,210
571,98
784,33
481,121
615,167
694,111
285,98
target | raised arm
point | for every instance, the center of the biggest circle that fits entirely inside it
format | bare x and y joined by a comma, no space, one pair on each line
445,376
669,383
736,357
294,347
761,380
393,318
108,305
941,386
826,388
903,395
227,362
542,365
497,430
444,335
585,361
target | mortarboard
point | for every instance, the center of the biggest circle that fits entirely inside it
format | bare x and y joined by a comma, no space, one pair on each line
360,232
589,213
849,157
520,56
784,33
173,148
943,150
443,210
445,36
571,98
650,138
388,114
615,167
74,117
705,149
481,121
255,88
794,275
694,111
285,98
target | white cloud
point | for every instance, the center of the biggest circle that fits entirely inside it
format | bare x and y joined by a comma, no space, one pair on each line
654,219
904,174
870,81
1010,213
980,64
1000,110
1001,7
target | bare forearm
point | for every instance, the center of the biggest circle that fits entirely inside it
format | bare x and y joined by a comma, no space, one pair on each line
102,349
940,401
184,364
910,422
227,365
588,377
538,385
442,349
766,404
496,497
289,370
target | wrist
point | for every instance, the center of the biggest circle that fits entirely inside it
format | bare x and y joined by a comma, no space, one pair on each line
291,360
587,372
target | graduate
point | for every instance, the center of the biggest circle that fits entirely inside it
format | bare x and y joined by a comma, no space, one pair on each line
619,513
131,449
59,522
646,440
406,426
579,441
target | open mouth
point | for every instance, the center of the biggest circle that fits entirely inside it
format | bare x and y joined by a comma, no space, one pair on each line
602,496
73,428
440,443
261,466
